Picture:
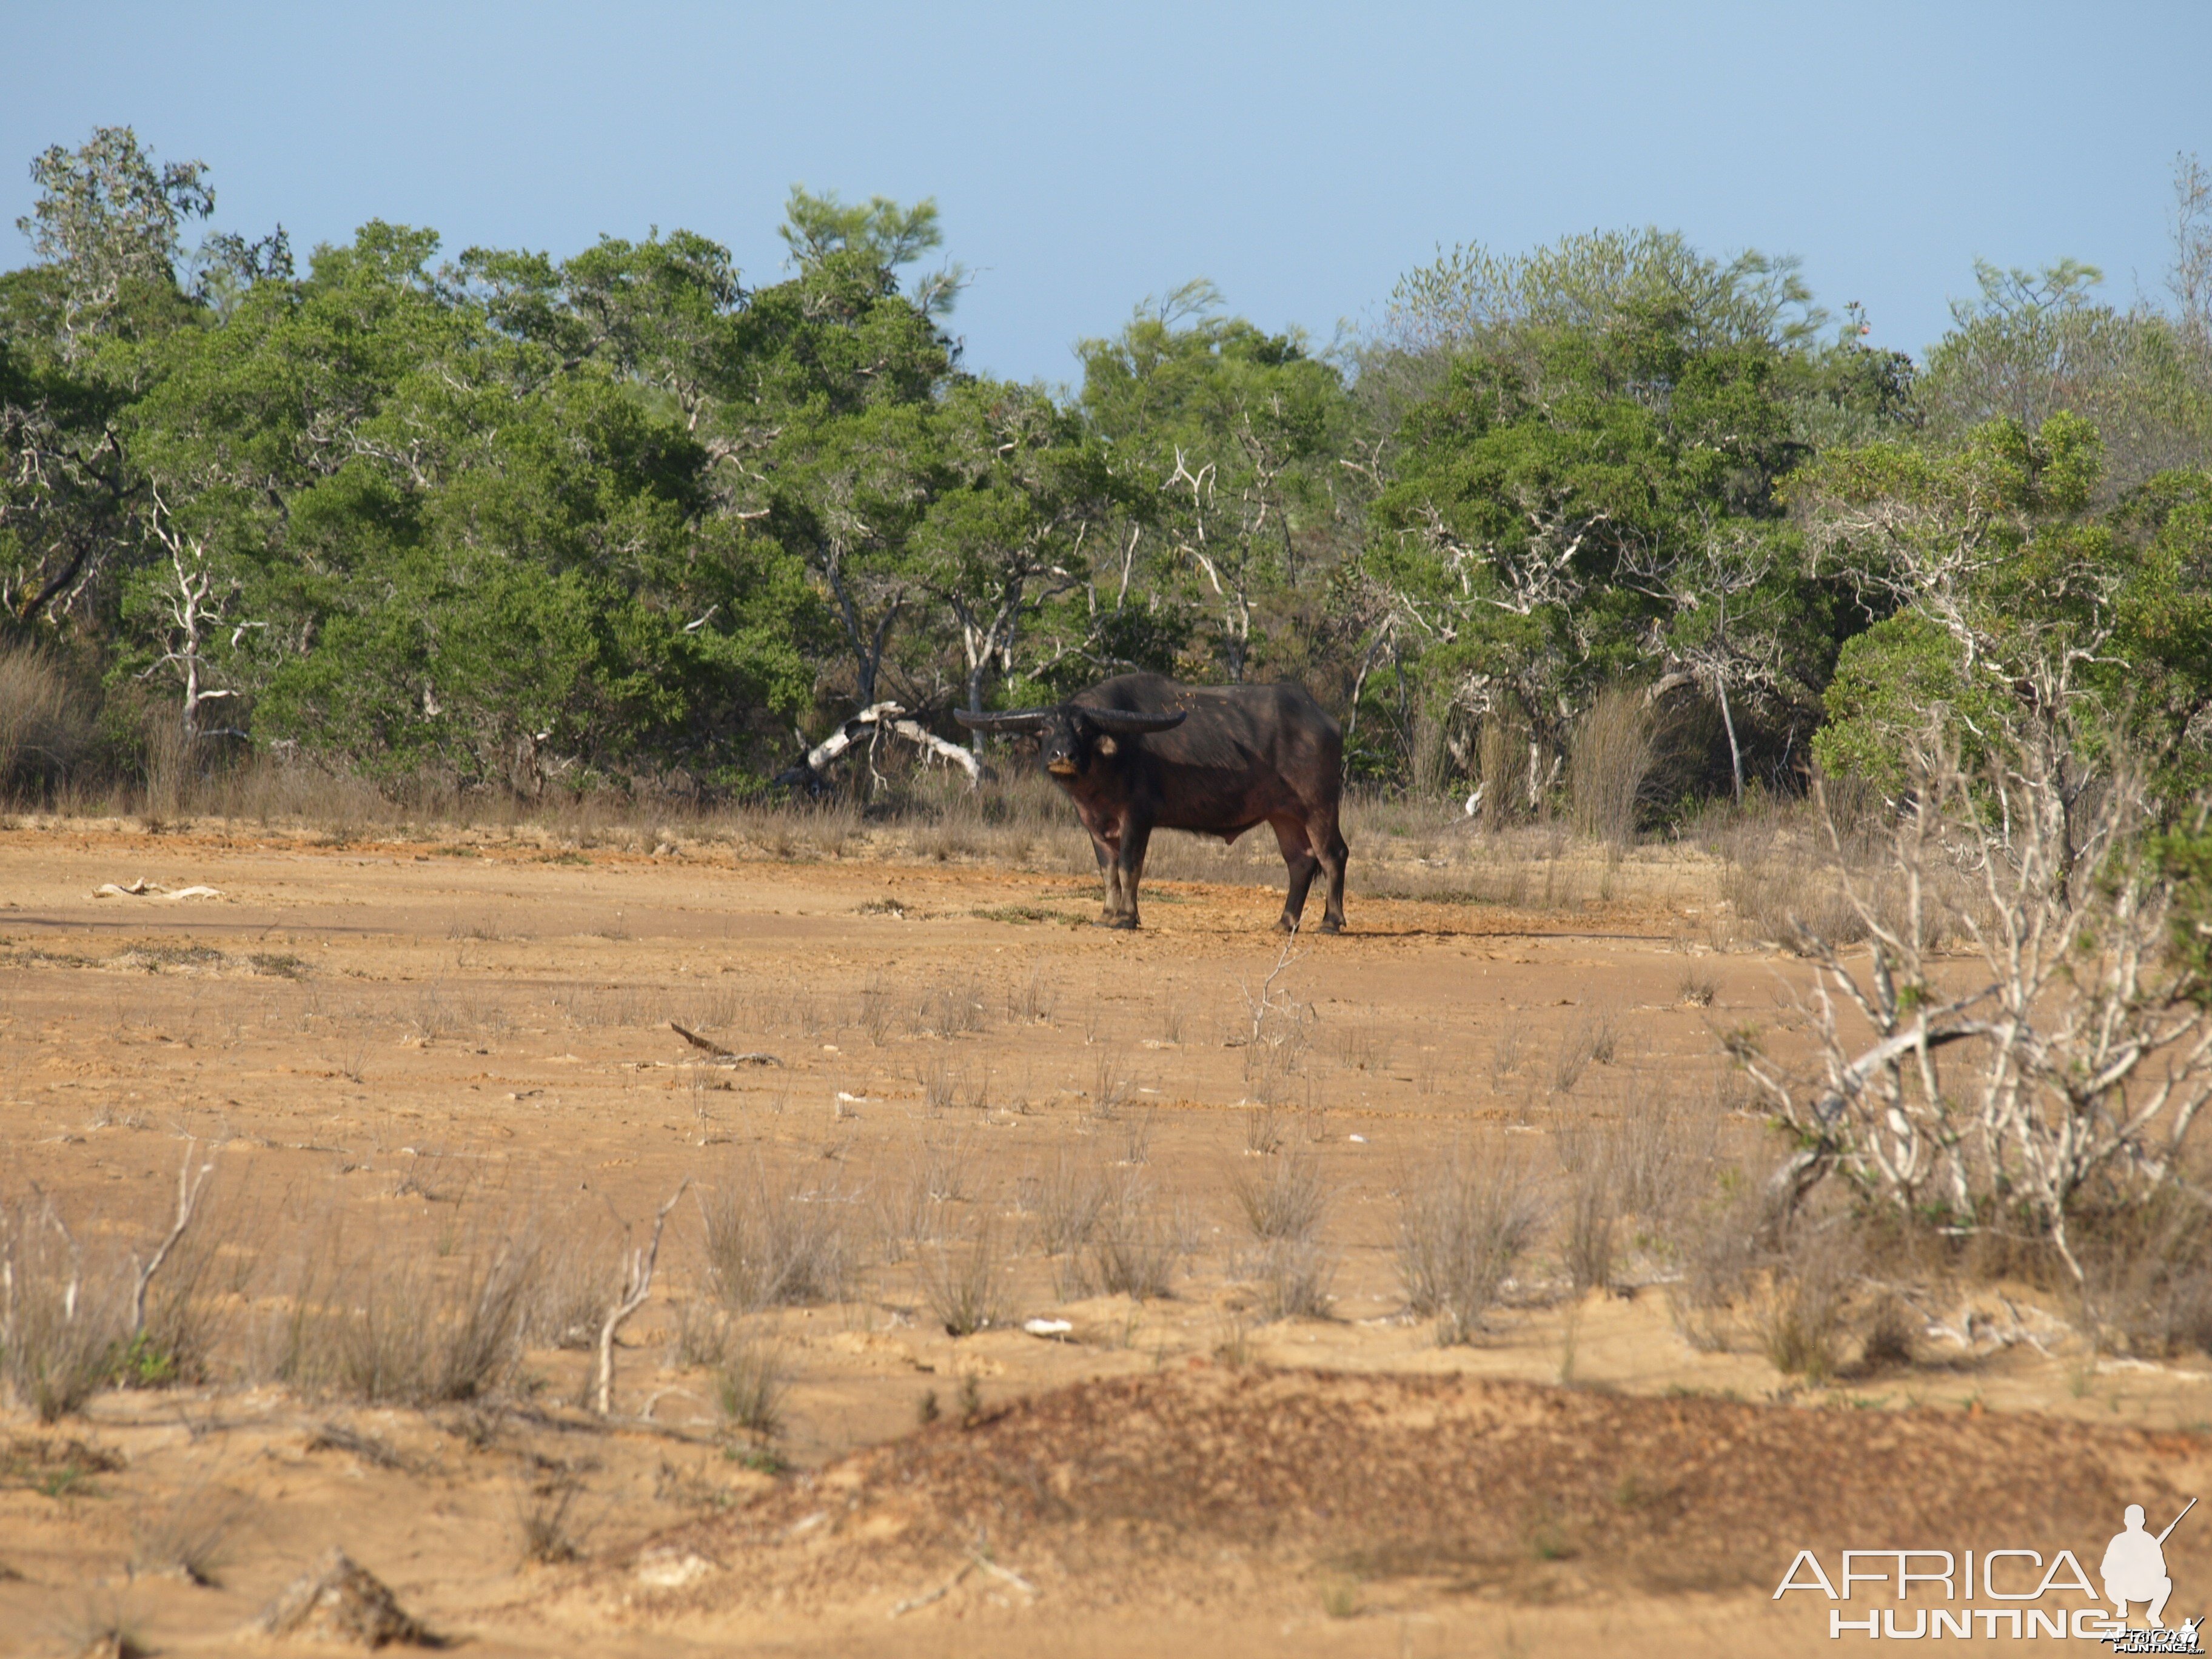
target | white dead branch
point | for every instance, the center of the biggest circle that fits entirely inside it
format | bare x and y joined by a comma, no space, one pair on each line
872,721
637,1284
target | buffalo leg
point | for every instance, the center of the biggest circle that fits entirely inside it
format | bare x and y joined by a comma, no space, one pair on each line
1332,860
1106,846
1129,869
1300,863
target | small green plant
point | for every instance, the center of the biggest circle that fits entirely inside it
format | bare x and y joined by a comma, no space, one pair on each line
928,1410
971,1401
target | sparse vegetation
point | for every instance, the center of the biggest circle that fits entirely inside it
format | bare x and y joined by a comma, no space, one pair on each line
775,1239
1463,1225
964,1281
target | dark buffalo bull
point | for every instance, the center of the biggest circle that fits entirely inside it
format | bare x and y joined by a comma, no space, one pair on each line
1138,753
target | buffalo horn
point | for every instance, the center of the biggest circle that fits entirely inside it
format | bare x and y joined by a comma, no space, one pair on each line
1013,719
1127,720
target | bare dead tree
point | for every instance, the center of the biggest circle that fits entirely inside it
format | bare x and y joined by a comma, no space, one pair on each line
2070,1055
637,1284
193,603
190,1185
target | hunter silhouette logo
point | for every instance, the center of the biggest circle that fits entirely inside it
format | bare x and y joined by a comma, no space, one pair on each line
2135,1567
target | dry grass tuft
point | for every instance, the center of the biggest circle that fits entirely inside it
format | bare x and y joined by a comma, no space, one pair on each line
189,1536
775,1240
1588,1247
1291,1279
410,1332
63,1328
545,1518
1463,1226
1136,1243
1283,1200
965,1282
750,1383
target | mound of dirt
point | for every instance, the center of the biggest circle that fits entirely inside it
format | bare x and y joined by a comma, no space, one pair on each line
1201,1485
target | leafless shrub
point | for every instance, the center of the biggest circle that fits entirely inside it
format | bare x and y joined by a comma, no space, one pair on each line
907,1211
775,1240
178,1319
1065,1202
1577,1048
1111,1085
945,1169
63,1325
878,1011
1263,1130
1698,987
1720,1240
1588,1247
2063,1071
1663,1150
1291,1278
1278,1027
1362,1048
965,1282
1463,1225
1282,1198
1801,1315
1609,761
702,1337
940,1085
1137,1137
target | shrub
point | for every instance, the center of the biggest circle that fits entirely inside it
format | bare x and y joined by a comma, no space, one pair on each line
1462,1227
776,1242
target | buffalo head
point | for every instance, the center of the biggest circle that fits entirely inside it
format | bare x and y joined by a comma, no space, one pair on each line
1068,737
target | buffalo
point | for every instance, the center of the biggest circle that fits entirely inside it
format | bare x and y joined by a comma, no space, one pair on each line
1138,753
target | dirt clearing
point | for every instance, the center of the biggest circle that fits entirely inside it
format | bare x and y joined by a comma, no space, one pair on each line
437,1081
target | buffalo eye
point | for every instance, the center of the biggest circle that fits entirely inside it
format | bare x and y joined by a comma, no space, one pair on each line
1106,746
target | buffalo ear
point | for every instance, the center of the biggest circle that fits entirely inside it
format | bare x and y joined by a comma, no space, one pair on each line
1129,723
1013,719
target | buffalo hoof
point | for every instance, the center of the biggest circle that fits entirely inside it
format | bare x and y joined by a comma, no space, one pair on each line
1328,926
1286,925
1120,924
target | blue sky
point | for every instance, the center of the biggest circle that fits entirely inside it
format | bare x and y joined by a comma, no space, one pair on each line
1085,156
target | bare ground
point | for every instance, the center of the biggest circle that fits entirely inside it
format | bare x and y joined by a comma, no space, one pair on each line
411,1049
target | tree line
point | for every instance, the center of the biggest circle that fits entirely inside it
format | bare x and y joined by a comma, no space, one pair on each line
625,520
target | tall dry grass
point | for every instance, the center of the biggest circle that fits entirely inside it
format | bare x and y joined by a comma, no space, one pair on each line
47,729
1609,763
